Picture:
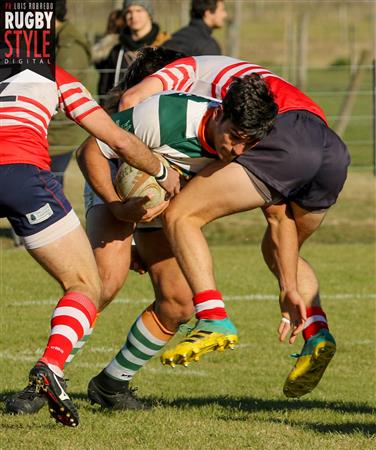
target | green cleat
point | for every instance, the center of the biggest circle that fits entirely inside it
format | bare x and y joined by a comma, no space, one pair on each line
316,354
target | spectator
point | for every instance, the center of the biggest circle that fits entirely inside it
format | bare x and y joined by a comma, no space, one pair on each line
73,55
140,31
102,49
195,39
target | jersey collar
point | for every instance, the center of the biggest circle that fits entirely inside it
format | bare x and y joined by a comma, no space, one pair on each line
201,131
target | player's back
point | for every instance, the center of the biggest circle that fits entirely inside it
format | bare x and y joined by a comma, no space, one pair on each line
212,76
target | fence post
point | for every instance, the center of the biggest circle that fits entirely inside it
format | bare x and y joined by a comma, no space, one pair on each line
374,113
348,102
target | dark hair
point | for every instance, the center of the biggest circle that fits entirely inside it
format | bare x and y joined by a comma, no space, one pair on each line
250,106
61,10
148,61
112,25
198,7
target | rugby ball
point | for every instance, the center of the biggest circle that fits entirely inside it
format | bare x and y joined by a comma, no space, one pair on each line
133,183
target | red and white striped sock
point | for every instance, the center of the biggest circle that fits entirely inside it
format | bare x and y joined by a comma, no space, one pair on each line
73,317
209,305
316,320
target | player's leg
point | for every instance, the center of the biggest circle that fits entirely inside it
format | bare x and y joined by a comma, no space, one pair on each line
152,329
111,242
219,190
70,261
53,236
319,344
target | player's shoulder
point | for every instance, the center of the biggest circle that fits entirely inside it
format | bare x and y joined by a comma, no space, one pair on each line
63,77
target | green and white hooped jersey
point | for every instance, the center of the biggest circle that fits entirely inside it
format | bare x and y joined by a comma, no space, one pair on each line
168,124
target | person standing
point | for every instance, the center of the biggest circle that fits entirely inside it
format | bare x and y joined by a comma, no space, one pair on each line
196,38
73,55
101,50
139,31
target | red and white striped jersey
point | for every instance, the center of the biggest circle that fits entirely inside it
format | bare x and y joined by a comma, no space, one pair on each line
212,75
27,103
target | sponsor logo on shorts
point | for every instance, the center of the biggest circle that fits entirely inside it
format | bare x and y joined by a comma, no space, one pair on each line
40,215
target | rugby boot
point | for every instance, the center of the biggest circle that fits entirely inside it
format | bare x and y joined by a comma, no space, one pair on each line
27,401
310,366
207,336
53,387
113,394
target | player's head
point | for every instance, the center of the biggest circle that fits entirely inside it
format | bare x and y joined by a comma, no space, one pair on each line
138,15
245,117
212,12
148,61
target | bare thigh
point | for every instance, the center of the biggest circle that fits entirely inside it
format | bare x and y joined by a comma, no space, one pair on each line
111,241
71,262
218,190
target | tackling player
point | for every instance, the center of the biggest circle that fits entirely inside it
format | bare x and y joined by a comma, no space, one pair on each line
303,160
35,205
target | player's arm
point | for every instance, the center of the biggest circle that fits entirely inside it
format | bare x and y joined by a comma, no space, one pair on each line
78,105
129,148
95,168
138,93
285,252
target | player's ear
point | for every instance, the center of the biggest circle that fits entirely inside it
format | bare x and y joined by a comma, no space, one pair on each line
218,113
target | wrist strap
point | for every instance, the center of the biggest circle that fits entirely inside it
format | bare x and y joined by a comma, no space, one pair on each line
162,174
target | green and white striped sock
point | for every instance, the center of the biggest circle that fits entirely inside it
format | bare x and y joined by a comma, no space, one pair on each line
145,339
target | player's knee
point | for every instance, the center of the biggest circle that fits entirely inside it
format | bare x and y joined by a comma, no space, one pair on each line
110,287
175,218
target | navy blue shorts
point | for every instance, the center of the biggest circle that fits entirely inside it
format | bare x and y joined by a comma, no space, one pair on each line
302,159
31,198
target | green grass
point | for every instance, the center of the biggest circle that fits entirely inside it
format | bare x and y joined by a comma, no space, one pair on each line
227,401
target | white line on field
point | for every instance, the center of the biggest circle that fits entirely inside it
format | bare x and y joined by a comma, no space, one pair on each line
231,298
180,371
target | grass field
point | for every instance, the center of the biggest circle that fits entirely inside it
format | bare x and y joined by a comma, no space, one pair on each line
227,401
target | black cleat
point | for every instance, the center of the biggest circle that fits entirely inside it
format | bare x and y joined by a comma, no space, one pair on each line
113,394
53,387
27,401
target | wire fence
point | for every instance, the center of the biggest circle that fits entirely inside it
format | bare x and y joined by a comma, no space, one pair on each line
319,45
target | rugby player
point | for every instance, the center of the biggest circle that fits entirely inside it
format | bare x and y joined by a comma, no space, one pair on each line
303,162
34,203
190,132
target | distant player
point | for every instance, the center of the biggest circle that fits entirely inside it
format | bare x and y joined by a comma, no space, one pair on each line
303,160
34,203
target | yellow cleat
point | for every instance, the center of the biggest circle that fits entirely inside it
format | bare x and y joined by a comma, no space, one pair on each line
206,337
311,364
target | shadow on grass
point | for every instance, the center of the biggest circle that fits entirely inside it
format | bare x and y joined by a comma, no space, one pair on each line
251,404
367,429
255,405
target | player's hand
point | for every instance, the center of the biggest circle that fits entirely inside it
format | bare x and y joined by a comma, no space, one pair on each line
152,213
294,315
171,184
134,210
